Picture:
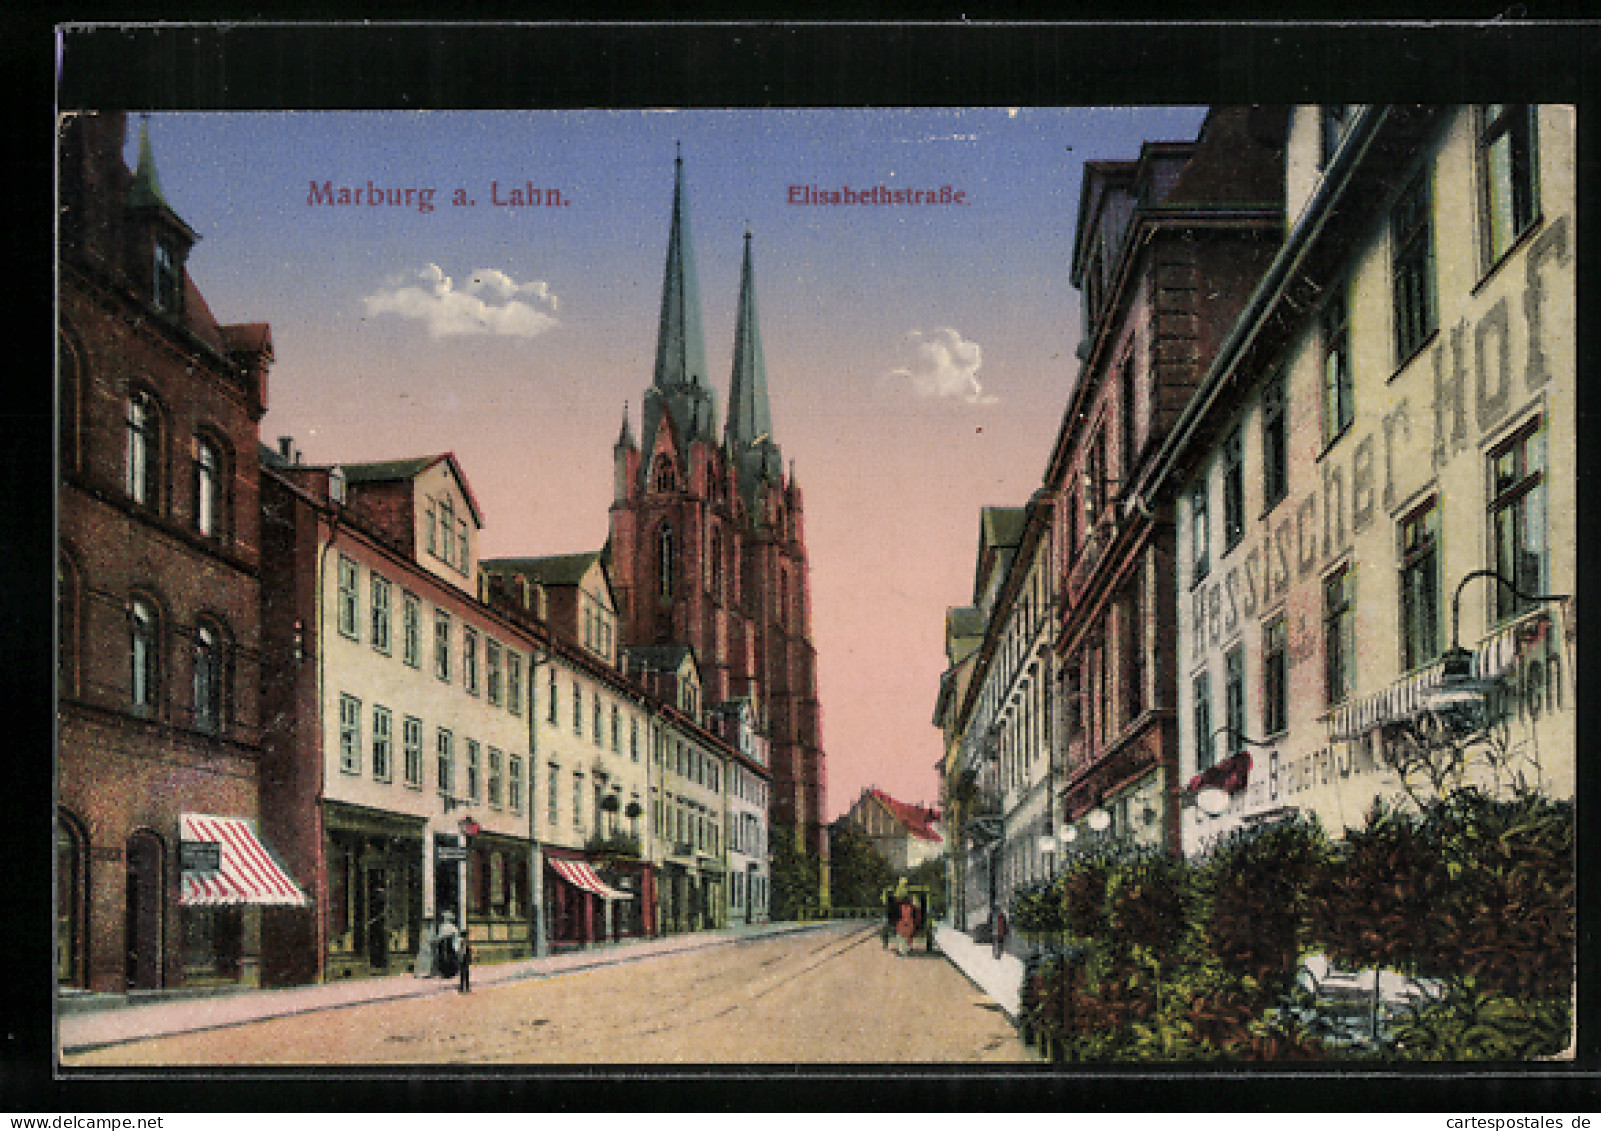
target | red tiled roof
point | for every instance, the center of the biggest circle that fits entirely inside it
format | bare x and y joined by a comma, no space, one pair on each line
918,820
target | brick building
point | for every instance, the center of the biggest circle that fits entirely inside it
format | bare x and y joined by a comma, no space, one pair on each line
159,716
707,544
1168,247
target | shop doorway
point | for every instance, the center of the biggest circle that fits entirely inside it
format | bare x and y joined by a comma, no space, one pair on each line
70,925
377,917
145,900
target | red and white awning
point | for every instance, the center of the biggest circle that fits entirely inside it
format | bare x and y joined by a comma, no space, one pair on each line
246,873
581,875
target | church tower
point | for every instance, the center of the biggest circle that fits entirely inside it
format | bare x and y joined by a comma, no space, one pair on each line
707,539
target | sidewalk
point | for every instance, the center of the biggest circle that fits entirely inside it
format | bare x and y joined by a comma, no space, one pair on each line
1001,978
93,1021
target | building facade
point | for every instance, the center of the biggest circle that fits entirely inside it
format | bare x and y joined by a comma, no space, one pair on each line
588,743
707,546
747,791
906,835
398,774
1374,484
1167,248
159,556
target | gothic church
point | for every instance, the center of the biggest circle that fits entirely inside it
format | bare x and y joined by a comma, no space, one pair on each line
707,546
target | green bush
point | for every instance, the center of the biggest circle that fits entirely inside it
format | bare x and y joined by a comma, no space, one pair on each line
1468,1024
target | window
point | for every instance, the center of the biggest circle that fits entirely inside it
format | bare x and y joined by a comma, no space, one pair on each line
1202,695
411,629
447,531
445,761
350,734
166,292
1130,418
1095,481
411,740
1275,444
515,783
1233,490
664,549
1339,636
1133,653
1517,519
578,799
514,681
1337,378
551,699
1200,531
462,558
210,661
348,600
1234,699
633,739
1275,676
1508,176
144,654
383,723
552,793
1333,121
1412,238
431,527
380,614
494,690
578,708
597,730
496,777
1420,587
474,769
469,659
141,457
616,730
208,488
442,644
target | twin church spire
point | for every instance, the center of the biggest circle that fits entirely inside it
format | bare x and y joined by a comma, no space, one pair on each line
679,386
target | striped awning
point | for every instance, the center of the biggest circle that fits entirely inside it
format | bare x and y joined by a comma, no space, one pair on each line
238,871
581,875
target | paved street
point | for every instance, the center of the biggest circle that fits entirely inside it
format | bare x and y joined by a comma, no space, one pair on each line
827,996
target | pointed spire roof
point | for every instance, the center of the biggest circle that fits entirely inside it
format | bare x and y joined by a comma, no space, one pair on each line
749,419
750,423
625,437
680,375
145,191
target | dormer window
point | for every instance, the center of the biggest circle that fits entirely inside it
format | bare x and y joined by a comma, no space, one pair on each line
166,289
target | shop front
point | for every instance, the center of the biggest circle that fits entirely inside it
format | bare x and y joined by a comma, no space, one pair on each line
227,880
498,908
375,891
580,907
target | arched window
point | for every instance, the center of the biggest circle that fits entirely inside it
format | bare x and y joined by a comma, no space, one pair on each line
211,668
717,564
144,653
209,490
69,613
664,547
142,450
71,928
666,476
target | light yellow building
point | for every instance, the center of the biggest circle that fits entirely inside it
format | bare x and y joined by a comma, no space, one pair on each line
1378,463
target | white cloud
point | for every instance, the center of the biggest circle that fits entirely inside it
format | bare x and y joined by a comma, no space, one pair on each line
490,302
942,364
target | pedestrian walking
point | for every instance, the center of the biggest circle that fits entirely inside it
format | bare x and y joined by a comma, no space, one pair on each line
466,951
447,946
904,928
1000,933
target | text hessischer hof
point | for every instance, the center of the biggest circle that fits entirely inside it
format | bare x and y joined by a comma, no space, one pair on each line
371,195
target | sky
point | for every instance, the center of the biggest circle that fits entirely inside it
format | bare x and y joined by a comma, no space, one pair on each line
918,357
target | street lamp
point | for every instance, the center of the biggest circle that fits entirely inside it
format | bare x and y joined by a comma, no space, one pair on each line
1214,800
1460,699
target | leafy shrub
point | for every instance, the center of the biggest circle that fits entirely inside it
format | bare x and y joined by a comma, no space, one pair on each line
1469,1024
